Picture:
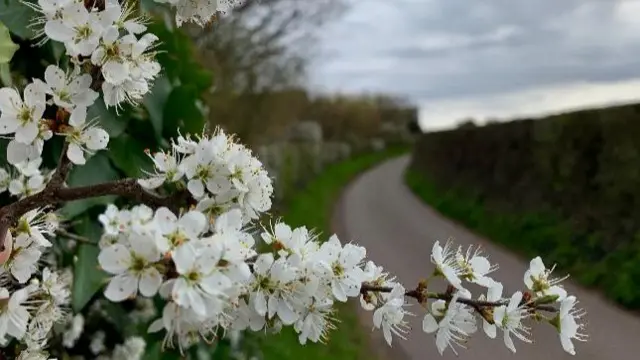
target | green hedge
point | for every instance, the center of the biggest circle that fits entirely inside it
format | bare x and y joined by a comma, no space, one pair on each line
566,187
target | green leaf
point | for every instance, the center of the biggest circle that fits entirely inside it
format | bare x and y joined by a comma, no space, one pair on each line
128,155
197,76
155,101
181,112
88,278
97,170
113,123
5,75
17,16
7,46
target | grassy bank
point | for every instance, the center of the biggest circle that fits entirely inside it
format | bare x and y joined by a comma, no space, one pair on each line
312,207
531,234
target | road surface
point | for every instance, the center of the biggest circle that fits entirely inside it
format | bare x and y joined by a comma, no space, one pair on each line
378,211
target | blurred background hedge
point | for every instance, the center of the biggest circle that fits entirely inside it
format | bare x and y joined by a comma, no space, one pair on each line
565,187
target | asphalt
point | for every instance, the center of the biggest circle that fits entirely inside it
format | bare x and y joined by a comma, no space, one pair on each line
379,212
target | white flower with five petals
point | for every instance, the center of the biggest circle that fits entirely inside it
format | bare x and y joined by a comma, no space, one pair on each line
133,267
83,137
174,231
341,265
494,294
76,27
200,286
390,316
567,324
509,319
167,170
446,263
22,117
14,316
537,278
454,327
68,90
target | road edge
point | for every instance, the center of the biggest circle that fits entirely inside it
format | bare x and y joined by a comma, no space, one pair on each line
377,341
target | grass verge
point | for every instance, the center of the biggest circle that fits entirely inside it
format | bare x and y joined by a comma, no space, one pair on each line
532,234
312,207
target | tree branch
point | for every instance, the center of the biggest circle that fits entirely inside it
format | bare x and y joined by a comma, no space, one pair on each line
62,171
52,196
420,295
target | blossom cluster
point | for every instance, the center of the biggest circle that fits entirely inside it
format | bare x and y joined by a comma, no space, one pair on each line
454,321
106,38
212,276
32,300
219,173
200,12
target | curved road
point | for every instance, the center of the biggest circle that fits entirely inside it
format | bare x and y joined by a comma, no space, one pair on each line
378,211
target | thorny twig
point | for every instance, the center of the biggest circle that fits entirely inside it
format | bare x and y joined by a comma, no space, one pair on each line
57,194
421,295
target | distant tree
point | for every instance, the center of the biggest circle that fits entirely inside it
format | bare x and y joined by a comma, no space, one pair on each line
414,127
468,123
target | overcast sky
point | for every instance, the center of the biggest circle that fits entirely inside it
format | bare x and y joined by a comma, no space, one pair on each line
485,58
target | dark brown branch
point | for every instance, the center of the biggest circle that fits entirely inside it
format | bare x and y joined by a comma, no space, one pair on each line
52,196
476,304
62,171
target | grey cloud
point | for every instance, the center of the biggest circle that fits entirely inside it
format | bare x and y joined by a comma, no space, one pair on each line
454,48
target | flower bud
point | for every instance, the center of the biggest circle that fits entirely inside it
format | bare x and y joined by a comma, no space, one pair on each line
8,247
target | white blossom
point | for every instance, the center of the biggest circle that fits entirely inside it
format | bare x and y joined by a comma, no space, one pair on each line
457,324
537,278
83,137
494,294
446,263
132,349
199,12
76,27
68,89
567,324
176,231
14,316
97,343
166,170
133,267
35,224
316,321
390,316
200,286
343,266
509,319
24,259
474,267
18,152
22,117
73,332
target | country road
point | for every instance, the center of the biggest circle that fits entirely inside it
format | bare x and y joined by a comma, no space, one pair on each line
378,211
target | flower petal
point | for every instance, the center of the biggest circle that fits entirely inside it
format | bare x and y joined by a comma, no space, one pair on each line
121,287
429,324
55,77
78,116
76,154
114,259
150,282
96,138
10,101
